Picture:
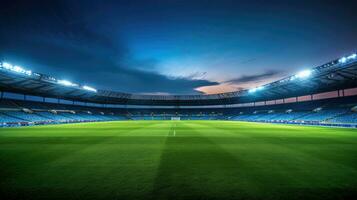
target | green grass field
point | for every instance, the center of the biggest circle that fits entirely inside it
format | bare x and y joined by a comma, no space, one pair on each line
177,160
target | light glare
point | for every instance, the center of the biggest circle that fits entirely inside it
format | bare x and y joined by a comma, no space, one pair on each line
7,65
342,60
16,69
89,88
260,87
252,90
66,83
353,56
304,74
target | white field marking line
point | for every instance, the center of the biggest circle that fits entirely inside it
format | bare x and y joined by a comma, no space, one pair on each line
174,129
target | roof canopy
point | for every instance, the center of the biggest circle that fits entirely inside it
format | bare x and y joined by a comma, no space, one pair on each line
335,75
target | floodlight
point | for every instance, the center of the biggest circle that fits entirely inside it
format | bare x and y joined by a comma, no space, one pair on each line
260,87
256,89
252,90
6,65
89,88
304,74
16,69
353,56
66,83
342,60
28,72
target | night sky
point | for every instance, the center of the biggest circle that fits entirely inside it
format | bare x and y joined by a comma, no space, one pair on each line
175,47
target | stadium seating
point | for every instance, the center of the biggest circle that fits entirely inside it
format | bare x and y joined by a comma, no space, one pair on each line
31,117
349,117
16,112
323,115
8,119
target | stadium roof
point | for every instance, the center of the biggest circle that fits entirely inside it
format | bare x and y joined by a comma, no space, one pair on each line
337,74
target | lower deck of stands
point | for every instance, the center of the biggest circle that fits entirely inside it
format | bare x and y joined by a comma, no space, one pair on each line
330,111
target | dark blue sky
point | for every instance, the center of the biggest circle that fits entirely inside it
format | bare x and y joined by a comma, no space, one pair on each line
175,47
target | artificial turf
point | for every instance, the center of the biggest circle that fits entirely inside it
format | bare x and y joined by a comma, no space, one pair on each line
177,160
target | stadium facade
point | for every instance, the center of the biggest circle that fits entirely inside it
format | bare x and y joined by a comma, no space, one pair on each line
324,95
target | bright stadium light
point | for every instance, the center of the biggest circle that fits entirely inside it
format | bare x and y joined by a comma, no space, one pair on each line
256,89
260,88
342,60
304,74
252,90
7,65
16,69
19,69
353,56
345,59
89,88
66,83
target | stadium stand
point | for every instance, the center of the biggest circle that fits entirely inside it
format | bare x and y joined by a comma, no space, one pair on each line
324,95
328,111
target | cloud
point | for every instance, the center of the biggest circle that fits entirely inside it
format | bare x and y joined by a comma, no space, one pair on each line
254,78
242,82
197,75
79,51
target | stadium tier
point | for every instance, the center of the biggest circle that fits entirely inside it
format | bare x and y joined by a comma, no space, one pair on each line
333,112
324,95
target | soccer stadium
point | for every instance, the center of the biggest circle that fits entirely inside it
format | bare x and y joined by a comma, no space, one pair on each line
323,96
289,137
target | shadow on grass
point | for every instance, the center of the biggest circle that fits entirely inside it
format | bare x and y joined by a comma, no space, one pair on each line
196,167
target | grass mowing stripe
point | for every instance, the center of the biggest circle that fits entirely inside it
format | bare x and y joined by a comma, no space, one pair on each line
105,166
190,165
292,168
206,160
